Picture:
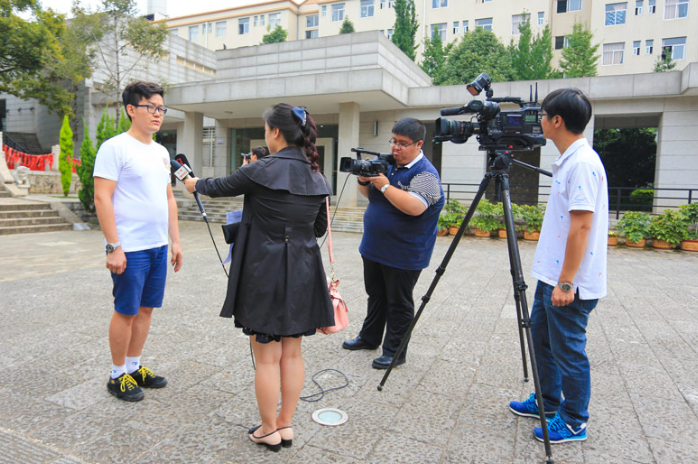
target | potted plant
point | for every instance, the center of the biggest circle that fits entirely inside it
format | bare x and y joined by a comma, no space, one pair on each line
454,215
486,220
689,218
667,230
612,238
634,226
501,226
443,224
533,220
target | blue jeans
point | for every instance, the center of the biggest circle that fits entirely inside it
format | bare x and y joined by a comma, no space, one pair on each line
143,281
559,340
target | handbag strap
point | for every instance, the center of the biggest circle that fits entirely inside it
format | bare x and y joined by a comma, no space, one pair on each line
329,235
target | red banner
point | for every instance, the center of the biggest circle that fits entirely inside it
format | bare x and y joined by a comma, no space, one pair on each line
16,158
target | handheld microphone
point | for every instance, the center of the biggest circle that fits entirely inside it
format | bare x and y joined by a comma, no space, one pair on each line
182,159
181,172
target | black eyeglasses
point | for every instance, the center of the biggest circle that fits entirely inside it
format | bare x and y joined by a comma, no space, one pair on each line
395,143
152,109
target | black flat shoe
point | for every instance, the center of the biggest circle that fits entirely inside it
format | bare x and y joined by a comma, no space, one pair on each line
273,447
285,443
384,362
358,343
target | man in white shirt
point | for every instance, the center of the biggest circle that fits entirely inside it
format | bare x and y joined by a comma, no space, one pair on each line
136,210
570,265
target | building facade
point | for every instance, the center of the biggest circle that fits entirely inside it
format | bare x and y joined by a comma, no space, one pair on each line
631,35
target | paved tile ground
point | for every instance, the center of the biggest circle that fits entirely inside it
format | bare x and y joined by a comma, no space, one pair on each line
448,404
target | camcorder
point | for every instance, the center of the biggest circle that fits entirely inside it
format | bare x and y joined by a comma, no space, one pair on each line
367,168
495,129
246,155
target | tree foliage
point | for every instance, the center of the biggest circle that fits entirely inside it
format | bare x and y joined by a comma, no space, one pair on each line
629,155
65,160
347,26
532,56
478,51
106,128
87,164
405,28
664,61
279,34
579,58
435,57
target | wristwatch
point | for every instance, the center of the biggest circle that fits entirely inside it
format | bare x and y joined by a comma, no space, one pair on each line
384,188
565,287
112,246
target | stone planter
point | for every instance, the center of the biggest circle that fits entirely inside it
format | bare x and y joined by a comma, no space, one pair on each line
612,241
531,236
640,244
689,245
502,233
482,233
661,244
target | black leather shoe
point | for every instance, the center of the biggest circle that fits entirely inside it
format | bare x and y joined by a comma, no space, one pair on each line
358,343
384,362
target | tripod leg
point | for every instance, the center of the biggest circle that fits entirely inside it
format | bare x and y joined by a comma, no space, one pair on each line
522,308
439,272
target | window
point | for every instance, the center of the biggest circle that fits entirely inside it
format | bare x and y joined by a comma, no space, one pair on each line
636,47
390,34
651,6
338,12
193,33
516,21
210,28
324,11
615,13
274,20
563,6
613,54
438,30
382,4
465,27
561,42
675,9
367,8
174,31
261,20
243,26
486,1
638,7
675,46
456,27
311,34
439,3
255,21
221,29
649,46
485,23
312,21
541,18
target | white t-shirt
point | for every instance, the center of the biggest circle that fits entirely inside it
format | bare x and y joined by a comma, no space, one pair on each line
142,173
579,184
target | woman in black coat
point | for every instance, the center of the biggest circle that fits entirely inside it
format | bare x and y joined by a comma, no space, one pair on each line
277,290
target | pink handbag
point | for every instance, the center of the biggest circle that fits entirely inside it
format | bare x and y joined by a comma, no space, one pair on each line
341,320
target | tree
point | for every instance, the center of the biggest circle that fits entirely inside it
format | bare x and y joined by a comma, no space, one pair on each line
118,33
65,160
124,123
477,52
435,57
531,57
405,28
87,164
279,34
629,155
664,61
105,128
579,57
347,26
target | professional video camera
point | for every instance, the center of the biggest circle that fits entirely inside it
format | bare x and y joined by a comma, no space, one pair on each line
363,168
495,129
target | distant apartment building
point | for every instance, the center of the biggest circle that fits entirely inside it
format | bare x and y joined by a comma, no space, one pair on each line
631,35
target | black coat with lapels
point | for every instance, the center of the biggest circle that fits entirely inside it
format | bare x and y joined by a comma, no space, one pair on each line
277,282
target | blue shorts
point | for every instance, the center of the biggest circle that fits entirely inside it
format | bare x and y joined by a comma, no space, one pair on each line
143,281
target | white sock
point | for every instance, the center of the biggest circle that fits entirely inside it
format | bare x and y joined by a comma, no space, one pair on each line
133,364
117,371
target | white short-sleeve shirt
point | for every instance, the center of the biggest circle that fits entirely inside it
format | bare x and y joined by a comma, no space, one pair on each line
141,172
579,184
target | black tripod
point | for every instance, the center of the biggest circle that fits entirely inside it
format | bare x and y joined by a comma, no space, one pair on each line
499,162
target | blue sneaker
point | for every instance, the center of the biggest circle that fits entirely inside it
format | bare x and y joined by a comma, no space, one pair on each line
529,408
560,432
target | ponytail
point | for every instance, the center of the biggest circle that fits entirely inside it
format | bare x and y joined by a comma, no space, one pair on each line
297,127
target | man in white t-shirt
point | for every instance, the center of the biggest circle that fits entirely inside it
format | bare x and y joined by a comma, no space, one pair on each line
136,210
570,265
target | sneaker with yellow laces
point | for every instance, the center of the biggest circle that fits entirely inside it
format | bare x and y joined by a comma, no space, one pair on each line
125,388
147,379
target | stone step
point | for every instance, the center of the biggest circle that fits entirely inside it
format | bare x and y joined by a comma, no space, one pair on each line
19,206
23,213
35,229
32,221
5,194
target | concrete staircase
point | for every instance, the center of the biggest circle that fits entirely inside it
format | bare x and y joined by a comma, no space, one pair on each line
348,219
22,217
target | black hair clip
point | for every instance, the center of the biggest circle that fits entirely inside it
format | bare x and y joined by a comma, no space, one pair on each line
300,113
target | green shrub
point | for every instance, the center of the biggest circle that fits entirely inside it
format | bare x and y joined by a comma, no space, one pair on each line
532,216
689,217
85,170
641,200
634,225
65,160
668,227
487,218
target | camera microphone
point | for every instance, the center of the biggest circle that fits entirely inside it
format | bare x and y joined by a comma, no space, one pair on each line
452,111
181,172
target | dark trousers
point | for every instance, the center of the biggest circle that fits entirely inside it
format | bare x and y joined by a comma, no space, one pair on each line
390,305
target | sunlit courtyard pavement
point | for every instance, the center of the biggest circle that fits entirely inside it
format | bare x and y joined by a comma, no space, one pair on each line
448,404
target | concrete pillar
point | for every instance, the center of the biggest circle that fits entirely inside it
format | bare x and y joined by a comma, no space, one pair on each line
192,140
221,160
56,153
349,118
